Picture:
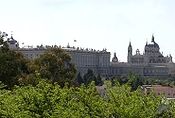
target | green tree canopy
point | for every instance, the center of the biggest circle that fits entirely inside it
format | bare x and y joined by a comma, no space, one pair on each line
79,80
89,77
47,100
3,43
12,64
98,80
134,81
55,65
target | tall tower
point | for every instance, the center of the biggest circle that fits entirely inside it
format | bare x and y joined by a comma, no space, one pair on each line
129,52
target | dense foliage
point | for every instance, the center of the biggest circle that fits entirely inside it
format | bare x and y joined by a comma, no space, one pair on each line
12,64
55,65
47,100
88,78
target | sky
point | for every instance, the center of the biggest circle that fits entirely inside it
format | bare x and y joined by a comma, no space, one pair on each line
96,24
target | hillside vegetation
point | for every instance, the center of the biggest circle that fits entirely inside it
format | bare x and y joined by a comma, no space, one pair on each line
48,87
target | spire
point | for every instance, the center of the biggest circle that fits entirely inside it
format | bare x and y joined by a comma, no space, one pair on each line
129,52
130,44
152,38
115,54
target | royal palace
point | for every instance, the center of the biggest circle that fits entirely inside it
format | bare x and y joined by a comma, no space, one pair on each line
151,63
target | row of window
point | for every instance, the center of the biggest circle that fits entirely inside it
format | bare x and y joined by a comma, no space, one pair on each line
155,71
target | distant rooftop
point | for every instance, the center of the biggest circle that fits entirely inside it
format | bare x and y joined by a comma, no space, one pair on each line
68,48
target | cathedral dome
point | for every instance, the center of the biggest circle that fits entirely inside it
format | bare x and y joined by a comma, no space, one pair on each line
156,45
153,44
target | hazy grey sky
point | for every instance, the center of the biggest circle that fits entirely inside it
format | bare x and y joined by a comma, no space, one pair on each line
95,24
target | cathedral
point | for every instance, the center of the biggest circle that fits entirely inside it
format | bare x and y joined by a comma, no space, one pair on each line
151,54
152,63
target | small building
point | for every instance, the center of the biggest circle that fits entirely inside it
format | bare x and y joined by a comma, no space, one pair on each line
167,91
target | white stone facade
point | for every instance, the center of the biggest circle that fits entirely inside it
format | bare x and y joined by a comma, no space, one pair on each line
150,63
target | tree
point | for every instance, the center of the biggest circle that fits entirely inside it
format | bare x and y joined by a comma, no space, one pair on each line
89,77
134,81
3,44
79,79
55,65
46,100
98,80
51,101
125,103
122,79
12,64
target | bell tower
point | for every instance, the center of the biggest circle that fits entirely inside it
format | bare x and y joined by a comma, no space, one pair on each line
129,52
